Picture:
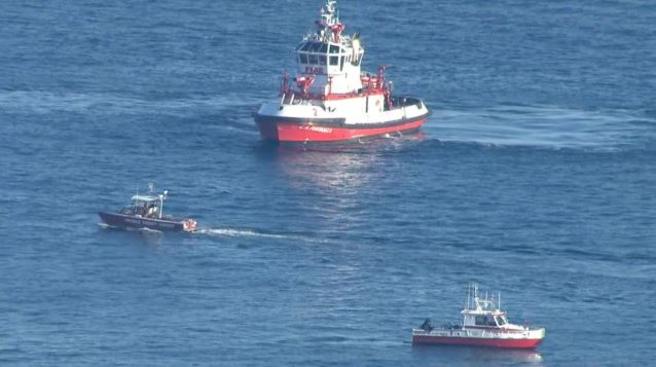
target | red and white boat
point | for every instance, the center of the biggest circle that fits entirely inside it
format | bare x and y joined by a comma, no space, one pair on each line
484,324
330,98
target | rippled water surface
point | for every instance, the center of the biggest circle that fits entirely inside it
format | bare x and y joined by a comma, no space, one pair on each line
534,176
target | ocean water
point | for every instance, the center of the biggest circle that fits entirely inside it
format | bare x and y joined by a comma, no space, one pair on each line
535,176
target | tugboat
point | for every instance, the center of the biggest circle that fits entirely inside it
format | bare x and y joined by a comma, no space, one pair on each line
484,324
332,100
147,211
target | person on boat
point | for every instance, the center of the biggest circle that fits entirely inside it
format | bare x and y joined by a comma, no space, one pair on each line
427,325
151,211
141,210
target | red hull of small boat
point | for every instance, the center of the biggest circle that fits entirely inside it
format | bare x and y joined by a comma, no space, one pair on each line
479,342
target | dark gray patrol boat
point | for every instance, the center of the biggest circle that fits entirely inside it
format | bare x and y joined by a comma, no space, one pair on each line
147,211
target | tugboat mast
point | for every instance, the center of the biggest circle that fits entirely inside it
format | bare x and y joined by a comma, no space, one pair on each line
330,28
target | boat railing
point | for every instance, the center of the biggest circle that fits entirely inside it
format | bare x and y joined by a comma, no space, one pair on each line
298,99
295,98
451,326
402,102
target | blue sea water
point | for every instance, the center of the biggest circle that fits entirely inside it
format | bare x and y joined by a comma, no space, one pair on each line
535,176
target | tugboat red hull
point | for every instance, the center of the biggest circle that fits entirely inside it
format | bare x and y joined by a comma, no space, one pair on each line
478,342
295,132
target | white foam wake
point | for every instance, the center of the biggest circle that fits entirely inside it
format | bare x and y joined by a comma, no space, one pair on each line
43,102
544,126
231,232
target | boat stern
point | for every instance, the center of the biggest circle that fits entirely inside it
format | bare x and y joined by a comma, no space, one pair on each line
189,225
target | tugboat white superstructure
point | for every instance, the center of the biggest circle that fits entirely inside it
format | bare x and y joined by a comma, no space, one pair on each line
484,324
330,99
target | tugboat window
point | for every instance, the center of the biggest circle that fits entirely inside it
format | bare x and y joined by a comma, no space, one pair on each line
334,60
312,59
304,59
341,63
334,49
324,48
306,47
316,46
322,60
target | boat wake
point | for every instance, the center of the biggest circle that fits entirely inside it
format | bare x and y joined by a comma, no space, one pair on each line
546,126
147,230
37,102
213,232
232,232
297,238
105,226
143,230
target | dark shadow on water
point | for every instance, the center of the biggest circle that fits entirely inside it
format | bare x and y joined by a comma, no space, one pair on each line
432,355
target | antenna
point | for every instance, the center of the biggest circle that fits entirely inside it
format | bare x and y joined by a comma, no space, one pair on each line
469,286
162,197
